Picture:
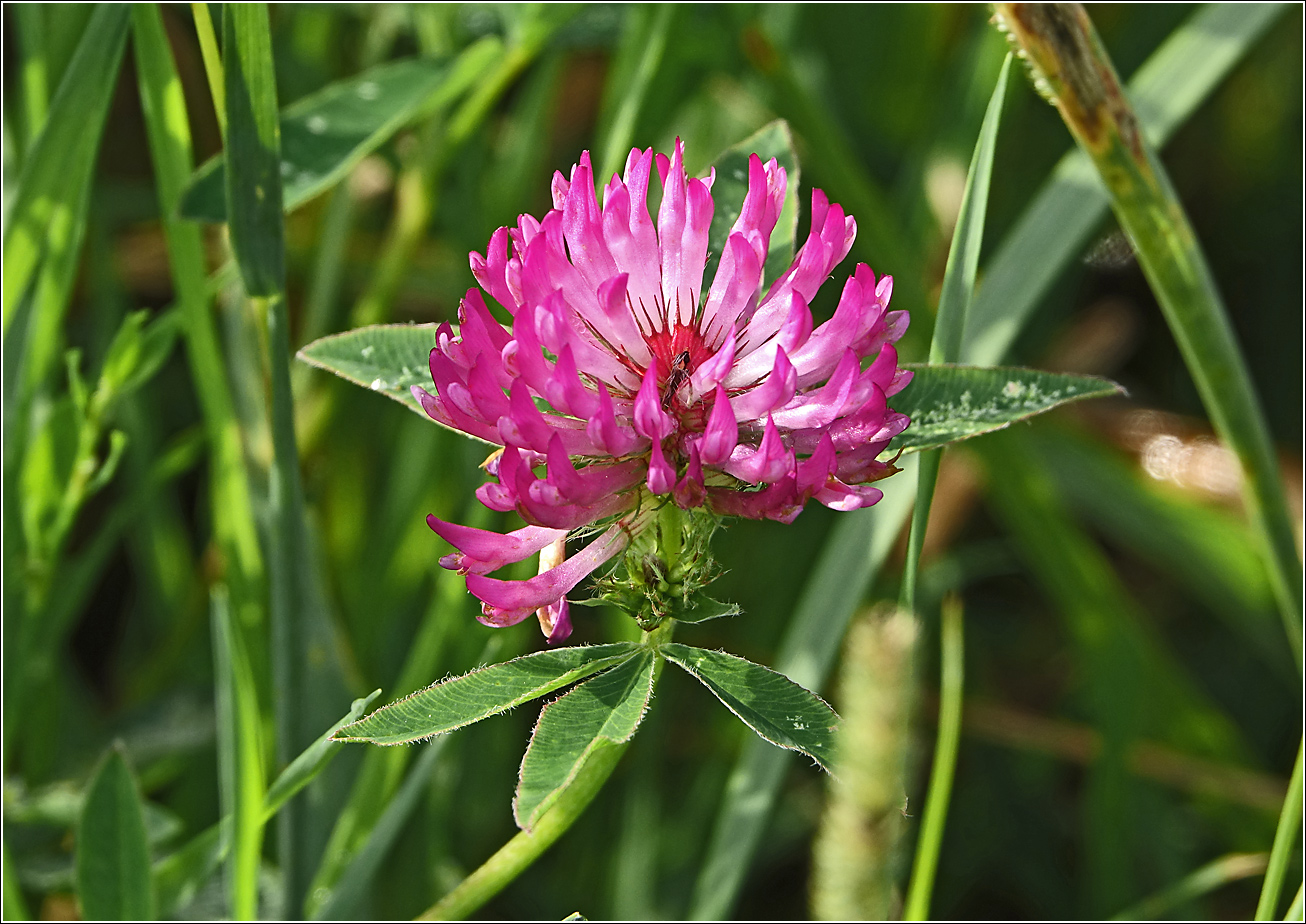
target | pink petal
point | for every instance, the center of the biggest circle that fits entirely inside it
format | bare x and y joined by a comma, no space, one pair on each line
505,603
481,551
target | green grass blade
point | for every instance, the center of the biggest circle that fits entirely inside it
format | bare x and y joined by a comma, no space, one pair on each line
15,909
1055,227
853,555
239,758
1208,878
954,300
57,171
35,69
254,209
253,184
1064,49
168,131
1285,839
345,895
212,62
113,855
930,843
1297,910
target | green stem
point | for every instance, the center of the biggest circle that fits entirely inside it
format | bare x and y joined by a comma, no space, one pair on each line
945,762
212,62
519,853
1213,875
1284,839
1070,63
1295,911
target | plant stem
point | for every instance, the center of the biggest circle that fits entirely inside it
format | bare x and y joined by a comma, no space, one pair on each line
515,856
1072,68
945,762
212,62
1284,838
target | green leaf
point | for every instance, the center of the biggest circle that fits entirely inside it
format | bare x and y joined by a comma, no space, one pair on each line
113,856
57,170
772,140
768,702
596,715
951,403
325,135
312,760
387,358
487,691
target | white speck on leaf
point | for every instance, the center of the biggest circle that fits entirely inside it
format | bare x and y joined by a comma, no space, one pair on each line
316,124
379,385
368,351
368,90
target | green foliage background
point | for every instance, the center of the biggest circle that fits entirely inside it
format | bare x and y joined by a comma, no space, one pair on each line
1100,600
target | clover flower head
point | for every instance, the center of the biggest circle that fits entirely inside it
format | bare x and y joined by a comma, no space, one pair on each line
628,382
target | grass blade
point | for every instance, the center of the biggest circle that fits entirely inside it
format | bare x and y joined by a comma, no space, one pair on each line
254,209
1065,51
168,132
945,763
1285,838
1213,875
239,758
348,891
954,300
57,171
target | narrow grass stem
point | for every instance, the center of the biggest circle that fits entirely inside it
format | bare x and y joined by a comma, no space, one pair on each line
1296,909
1285,836
212,62
952,636
1208,878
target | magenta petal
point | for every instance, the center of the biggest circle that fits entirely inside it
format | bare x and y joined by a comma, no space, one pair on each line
650,420
770,462
721,435
689,491
555,620
483,551
505,603
661,473
603,429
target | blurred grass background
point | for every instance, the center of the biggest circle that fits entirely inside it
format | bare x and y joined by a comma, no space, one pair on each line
1132,704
